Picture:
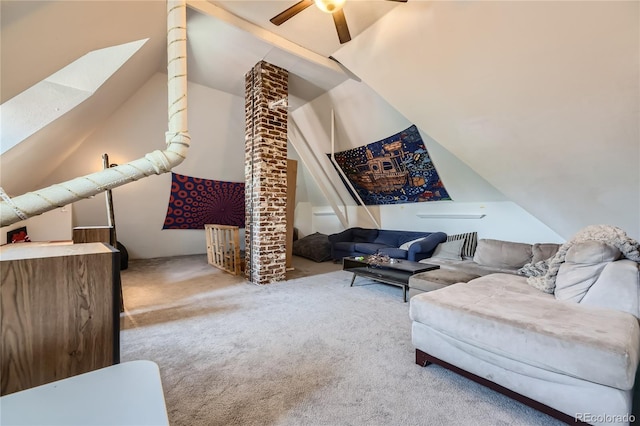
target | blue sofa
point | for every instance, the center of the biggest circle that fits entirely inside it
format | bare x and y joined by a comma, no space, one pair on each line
363,241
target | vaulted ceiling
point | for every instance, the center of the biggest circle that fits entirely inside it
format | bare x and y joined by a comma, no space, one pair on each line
225,39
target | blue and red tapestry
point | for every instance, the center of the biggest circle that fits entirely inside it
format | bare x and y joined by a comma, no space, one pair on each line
195,202
394,170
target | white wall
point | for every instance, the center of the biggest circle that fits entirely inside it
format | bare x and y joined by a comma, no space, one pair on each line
539,98
216,122
54,225
503,220
363,117
216,126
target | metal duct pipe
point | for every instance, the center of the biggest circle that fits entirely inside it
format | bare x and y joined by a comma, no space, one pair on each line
157,162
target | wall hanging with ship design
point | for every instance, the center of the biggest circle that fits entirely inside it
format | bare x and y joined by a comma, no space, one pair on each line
394,170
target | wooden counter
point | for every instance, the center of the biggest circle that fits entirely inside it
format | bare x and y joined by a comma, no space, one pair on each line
59,312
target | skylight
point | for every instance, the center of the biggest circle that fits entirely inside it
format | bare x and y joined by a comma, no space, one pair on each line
31,110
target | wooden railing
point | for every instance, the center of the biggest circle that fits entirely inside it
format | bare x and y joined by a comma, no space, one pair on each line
223,247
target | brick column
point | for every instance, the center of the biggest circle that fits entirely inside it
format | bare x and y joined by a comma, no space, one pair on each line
265,173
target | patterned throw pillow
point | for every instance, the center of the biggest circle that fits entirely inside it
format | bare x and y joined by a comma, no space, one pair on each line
470,242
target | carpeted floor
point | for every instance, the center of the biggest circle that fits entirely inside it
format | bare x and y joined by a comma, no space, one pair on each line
307,351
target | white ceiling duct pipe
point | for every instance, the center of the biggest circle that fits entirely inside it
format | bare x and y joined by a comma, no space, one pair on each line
157,162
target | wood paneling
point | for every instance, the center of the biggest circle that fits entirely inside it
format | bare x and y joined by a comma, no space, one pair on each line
93,234
292,177
58,318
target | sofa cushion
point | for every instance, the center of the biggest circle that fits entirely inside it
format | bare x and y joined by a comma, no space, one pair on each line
393,252
468,266
543,251
470,242
581,268
617,287
501,314
397,238
363,235
438,278
345,246
368,248
591,252
502,254
449,250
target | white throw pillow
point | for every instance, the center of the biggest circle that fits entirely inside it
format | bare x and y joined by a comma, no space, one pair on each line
406,245
449,250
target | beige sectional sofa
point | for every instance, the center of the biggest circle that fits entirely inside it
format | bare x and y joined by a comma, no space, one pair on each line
488,257
572,353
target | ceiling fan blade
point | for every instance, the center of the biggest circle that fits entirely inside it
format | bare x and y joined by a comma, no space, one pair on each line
341,26
399,1
283,17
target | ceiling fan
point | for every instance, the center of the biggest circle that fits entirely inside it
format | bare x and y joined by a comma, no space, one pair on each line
334,7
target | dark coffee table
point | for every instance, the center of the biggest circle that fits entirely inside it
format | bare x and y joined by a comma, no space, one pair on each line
396,272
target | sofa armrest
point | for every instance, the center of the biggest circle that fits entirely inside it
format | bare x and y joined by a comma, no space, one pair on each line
426,246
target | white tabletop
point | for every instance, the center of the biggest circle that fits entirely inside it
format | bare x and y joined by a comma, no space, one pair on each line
123,394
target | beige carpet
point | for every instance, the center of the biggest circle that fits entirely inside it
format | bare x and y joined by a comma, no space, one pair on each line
308,351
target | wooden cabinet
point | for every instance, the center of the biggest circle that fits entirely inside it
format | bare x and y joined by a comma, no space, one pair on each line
93,234
292,176
60,312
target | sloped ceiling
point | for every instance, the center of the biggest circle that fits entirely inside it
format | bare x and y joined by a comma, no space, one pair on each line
221,53
540,98
41,37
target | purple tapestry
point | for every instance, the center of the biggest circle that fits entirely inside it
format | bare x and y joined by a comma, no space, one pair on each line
195,202
394,170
